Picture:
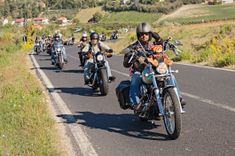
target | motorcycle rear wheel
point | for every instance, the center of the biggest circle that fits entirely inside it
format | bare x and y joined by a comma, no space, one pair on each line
172,116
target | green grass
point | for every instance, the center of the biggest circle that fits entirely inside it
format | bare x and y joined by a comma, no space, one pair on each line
205,13
130,17
25,125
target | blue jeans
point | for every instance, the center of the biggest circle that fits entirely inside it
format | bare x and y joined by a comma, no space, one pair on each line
134,93
136,82
53,55
87,69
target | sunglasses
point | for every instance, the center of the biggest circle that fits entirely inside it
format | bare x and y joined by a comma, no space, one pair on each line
142,34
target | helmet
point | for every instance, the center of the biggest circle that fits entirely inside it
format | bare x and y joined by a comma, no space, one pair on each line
143,28
94,35
84,34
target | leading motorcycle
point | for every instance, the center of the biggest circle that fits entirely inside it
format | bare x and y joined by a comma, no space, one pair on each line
159,97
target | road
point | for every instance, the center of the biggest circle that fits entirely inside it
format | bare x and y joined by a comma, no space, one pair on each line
100,127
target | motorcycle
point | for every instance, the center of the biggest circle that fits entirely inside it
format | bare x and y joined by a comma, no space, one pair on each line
99,78
114,36
37,48
44,46
59,57
82,55
159,97
102,37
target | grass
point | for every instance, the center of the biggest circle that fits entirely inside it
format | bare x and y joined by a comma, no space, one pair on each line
25,125
203,13
85,14
131,17
210,45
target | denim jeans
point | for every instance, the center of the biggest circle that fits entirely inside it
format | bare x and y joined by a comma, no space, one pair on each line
87,69
136,82
134,93
53,55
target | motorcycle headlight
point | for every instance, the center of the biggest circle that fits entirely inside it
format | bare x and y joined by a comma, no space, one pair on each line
100,57
147,76
37,44
58,49
162,68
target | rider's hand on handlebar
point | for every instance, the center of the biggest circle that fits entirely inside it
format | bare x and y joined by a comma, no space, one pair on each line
141,59
89,55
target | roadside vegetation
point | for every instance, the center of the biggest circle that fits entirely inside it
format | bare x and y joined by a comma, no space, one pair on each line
26,127
130,17
201,14
208,45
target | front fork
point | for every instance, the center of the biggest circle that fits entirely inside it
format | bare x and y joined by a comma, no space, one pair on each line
158,98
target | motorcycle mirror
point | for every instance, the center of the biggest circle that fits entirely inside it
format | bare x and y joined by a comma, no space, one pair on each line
169,38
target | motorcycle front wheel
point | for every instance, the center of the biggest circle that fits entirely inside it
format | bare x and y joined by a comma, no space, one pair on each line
61,62
172,116
104,87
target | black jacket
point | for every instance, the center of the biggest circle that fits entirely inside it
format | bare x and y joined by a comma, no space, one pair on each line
130,49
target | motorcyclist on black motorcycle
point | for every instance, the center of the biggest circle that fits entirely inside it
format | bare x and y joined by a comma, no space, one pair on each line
144,36
93,47
81,45
57,39
38,45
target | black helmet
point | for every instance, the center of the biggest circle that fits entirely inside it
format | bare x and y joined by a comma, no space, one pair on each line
143,28
94,35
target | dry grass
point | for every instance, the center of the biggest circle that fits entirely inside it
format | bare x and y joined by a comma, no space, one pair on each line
85,14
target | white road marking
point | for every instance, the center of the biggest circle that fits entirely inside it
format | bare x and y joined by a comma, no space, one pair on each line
80,136
210,102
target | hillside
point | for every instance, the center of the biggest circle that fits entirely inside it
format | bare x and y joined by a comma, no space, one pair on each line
200,13
85,14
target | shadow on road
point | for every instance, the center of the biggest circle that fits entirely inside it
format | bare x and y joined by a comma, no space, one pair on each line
125,124
46,59
45,68
72,71
82,91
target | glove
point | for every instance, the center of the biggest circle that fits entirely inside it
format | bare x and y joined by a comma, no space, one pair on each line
141,59
110,51
89,55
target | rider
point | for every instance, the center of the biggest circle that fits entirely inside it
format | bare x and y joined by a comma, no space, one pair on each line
144,36
95,46
81,45
57,39
39,41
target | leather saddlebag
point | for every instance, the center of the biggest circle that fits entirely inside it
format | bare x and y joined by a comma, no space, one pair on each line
122,92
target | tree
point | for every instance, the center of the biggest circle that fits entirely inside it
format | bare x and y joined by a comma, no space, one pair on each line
97,16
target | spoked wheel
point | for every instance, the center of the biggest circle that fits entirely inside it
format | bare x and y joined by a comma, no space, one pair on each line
172,116
61,62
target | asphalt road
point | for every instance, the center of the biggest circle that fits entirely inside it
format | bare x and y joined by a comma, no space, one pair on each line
208,124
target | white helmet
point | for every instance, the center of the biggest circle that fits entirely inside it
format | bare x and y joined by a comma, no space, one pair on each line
84,34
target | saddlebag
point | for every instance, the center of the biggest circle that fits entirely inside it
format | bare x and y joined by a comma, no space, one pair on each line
122,92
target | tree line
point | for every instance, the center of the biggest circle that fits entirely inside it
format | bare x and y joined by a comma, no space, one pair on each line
156,6
32,8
